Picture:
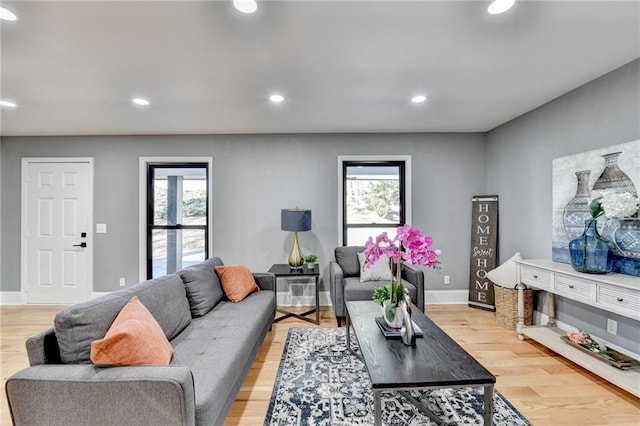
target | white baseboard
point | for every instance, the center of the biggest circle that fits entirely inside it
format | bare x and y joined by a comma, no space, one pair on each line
286,298
432,297
10,298
445,297
15,297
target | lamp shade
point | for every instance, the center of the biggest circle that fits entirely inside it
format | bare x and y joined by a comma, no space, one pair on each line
295,220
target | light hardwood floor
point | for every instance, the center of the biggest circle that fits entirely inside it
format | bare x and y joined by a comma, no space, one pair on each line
543,386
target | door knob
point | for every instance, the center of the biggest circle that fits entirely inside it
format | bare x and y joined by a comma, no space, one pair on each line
80,245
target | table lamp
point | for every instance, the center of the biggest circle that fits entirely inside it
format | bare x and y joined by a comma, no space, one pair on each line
296,220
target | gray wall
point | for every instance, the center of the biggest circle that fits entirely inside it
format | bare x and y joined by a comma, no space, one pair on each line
603,112
254,176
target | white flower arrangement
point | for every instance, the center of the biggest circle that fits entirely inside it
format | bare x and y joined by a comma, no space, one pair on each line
619,205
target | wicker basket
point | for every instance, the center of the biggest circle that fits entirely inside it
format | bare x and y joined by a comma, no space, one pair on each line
506,300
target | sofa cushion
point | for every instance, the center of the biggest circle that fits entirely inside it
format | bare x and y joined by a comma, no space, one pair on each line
379,271
220,339
202,286
79,325
347,258
237,281
134,338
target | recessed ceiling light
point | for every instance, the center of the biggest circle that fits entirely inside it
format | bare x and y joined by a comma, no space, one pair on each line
245,6
500,6
276,98
418,99
7,15
140,101
8,104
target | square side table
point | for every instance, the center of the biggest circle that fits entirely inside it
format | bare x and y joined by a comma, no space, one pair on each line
285,271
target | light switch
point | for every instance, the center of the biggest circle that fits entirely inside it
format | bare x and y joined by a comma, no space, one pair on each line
101,228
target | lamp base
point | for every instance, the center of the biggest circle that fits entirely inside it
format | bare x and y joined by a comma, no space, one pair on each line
296,258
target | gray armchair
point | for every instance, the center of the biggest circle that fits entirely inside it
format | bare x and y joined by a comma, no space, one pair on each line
345,285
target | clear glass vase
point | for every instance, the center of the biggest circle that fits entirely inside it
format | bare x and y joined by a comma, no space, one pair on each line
591,253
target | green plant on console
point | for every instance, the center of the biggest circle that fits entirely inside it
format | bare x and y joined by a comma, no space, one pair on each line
311,258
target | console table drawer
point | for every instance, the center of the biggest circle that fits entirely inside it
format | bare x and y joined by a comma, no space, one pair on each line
617,298
536,277
574,287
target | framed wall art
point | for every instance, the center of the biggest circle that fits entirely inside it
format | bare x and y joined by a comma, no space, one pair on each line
577,180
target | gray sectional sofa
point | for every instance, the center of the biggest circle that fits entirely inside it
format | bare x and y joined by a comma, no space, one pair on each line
214,340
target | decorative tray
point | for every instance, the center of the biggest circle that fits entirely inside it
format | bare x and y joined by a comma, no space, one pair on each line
609,356
394,333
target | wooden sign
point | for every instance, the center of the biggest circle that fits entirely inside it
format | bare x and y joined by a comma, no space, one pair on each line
484,250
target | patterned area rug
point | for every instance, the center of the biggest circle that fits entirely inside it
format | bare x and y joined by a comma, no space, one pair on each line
320,383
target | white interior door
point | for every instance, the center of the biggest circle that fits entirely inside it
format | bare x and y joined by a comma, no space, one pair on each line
57,239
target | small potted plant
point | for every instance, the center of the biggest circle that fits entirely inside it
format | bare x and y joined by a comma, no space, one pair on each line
311,260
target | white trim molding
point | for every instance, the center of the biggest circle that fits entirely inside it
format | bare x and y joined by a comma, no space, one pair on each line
10,298
286,298
446,297
432,297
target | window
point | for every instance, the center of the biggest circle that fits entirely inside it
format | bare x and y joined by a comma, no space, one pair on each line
374,197
177,216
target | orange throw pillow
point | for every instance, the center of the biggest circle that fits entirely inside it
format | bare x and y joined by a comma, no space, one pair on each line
237,281
134,338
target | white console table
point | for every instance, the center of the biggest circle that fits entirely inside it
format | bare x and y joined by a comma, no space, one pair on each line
612,292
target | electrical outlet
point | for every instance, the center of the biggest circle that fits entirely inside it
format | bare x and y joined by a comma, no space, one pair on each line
612,326
447,279
122,282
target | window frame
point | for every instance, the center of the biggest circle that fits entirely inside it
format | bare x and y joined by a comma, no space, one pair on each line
151,226
403,161
143,178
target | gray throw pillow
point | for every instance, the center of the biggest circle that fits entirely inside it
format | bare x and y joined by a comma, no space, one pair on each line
347,258
378,271
202,285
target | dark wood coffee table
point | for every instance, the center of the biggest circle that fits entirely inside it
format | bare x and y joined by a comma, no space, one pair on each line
436,361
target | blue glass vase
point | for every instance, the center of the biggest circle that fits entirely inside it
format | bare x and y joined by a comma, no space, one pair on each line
590,252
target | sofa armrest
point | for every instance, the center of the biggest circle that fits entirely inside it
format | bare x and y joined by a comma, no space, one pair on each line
416,277
336,288
43,348
265,280
89,395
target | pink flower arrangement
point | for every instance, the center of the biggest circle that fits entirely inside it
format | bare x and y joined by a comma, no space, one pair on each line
417,250
583,339
579,337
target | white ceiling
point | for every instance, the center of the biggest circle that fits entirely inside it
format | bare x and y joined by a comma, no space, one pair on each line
343,66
